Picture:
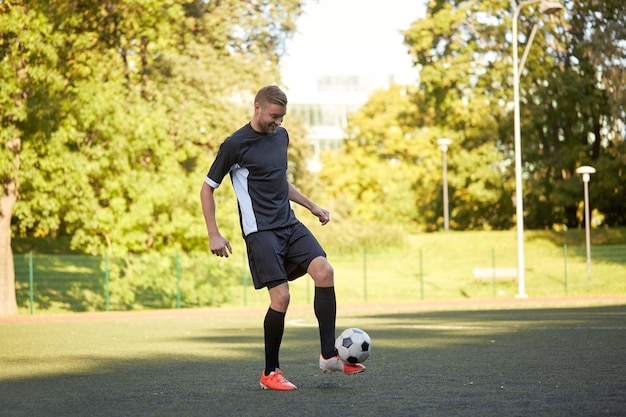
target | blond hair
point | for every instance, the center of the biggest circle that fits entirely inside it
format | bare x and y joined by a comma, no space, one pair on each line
271,94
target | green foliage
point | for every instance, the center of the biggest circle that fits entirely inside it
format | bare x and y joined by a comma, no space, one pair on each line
352,235
110,113
481,193
151,281
390,170
373,176
125,104
147,281
609,185
426,266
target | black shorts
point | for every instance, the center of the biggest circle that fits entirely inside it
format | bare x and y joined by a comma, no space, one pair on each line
281,255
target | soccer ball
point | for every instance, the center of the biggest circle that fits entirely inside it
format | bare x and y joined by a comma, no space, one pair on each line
353,345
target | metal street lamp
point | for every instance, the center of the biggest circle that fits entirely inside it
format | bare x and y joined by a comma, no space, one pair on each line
443,144
586,172
546,7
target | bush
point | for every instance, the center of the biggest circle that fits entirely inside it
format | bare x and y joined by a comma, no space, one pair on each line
348,235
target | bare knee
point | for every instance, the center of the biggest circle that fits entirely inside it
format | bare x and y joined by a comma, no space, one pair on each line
280,297
322,272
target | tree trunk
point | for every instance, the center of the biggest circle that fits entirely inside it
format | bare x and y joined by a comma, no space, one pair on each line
8,302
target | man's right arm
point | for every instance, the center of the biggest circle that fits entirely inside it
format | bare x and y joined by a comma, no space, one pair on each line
219,245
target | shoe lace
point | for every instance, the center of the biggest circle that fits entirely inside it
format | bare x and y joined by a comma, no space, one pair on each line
281,378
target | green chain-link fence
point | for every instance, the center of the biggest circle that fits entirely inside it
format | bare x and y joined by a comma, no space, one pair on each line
87,283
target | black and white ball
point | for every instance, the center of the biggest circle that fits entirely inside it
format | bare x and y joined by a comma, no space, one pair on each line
353,345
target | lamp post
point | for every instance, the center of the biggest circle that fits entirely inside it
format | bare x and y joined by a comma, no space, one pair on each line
443,144
586,172
546,7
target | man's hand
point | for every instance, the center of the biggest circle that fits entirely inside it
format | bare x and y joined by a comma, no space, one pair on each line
220,246
322,214
297,197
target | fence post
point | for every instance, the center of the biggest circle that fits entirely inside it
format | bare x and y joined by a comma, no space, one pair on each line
365,275
565,266
308,291
243,279
107,293
177,280
421,277
31,290
493,270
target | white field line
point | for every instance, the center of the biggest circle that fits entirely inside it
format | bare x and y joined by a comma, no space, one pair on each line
304,323
474,327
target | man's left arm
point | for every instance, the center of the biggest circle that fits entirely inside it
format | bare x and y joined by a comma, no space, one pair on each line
298,198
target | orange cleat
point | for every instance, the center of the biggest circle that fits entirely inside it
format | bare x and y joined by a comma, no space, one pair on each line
276,381
335,364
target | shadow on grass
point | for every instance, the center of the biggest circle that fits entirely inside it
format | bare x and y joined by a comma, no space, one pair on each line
556,362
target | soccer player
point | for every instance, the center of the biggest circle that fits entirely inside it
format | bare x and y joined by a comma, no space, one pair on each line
280,248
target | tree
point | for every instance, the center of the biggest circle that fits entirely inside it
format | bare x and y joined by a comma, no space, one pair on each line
111,109
458,96
594,38
373,176
30,91
572,114
463,50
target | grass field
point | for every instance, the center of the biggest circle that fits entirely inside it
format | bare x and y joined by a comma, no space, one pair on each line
439,267
425,267
494,358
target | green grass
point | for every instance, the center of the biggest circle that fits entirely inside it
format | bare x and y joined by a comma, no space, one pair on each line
426,267
522,358
439,266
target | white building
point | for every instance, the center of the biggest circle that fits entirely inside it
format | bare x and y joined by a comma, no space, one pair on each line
324,105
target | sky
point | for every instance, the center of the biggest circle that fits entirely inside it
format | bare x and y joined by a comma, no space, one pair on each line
340,37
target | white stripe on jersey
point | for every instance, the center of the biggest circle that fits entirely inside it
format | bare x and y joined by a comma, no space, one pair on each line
240,184
212,183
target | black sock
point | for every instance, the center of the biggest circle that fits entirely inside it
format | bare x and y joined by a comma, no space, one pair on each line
325,306
273,327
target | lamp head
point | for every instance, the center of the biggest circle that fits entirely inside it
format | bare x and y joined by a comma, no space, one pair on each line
444,143
586,172
585,169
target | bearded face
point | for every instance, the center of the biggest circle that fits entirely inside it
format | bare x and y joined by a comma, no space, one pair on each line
267,117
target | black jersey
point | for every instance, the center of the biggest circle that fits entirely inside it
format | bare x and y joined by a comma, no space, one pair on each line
257,163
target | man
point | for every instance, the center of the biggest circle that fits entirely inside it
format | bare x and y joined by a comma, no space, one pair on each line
280,248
